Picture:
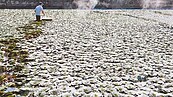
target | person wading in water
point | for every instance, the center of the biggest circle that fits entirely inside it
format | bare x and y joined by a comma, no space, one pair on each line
38,11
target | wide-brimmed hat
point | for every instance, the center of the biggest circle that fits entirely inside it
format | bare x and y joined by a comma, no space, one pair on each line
41,3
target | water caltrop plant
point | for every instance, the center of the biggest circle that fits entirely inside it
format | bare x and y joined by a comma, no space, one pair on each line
14,57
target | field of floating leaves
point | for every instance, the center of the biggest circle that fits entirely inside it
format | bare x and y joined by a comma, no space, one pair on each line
88,53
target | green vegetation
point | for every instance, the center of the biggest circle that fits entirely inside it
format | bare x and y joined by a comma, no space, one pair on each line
115,95
31,30
15,57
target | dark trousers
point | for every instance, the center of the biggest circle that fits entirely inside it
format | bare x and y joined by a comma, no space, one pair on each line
37,17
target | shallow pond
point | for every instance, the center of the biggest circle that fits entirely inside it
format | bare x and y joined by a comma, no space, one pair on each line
87,53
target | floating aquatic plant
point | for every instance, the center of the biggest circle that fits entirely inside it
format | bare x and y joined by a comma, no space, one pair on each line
16,56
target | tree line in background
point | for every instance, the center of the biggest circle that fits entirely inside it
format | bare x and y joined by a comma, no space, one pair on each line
102,4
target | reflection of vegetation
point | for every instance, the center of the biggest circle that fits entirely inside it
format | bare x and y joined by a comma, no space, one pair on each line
14,58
